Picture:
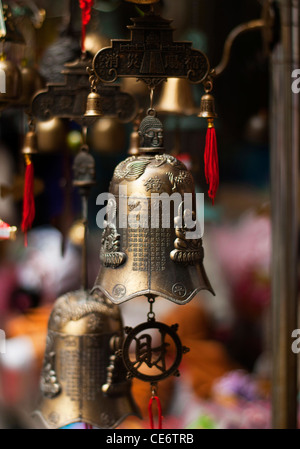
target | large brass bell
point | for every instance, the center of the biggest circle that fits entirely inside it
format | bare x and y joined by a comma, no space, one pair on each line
10,80
78,380
93,105
176,98
149,259
207,107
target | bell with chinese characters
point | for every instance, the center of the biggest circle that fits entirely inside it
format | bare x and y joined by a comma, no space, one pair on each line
147,247
80,380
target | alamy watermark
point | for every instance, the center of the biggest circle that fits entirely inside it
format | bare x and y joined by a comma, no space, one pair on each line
2,81
296,83
138,211
2,342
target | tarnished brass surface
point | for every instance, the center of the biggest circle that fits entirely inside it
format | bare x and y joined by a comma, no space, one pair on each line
146,260
80,330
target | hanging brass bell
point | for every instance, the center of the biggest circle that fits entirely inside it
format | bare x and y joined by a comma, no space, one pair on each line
30,143
207,107
176,98
51,135
78,383
142,259
10,80
32,82
107,136
93,105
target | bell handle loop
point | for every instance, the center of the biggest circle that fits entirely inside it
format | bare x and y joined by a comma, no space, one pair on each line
208,85
93,79
151,97
151,314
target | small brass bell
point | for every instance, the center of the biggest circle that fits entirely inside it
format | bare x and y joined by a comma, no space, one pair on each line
10,80
93,105
207,107
30,143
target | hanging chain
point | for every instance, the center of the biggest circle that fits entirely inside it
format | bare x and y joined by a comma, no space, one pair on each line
151,111
151,314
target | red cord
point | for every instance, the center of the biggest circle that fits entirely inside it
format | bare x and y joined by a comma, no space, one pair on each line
88,426
28,202
85,6
211,161
159,412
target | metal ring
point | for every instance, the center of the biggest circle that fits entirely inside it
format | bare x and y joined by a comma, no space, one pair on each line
132,337
151,112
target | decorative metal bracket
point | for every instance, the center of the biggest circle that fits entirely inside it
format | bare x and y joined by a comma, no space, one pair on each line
68,99
266,24
150,55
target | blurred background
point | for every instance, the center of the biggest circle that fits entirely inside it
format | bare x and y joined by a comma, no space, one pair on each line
225,379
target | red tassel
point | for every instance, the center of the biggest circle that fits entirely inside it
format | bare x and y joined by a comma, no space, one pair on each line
86,6
28,203
159,412
211,161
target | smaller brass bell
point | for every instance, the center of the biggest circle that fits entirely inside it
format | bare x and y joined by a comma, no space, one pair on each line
30,143
207,107
93,105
